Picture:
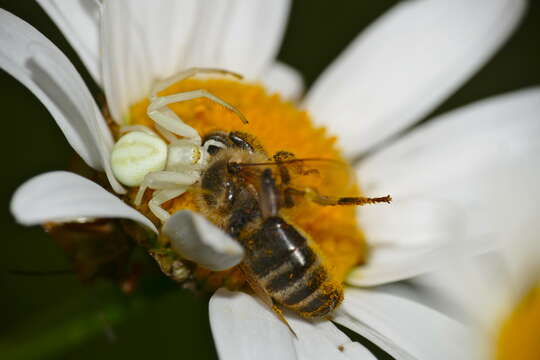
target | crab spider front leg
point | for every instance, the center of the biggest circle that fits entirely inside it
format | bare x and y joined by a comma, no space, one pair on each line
167,119
163,84
141,158
190,95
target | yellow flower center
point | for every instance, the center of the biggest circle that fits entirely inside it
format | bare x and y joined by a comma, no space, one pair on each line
519,337
278,126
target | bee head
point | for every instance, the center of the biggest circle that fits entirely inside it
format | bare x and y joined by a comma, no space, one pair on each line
217,140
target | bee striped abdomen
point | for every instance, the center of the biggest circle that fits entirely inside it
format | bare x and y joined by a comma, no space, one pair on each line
280,258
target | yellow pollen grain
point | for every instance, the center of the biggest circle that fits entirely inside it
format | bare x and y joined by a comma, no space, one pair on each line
278,126
519,338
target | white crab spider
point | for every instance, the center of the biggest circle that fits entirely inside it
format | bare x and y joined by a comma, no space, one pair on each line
142,158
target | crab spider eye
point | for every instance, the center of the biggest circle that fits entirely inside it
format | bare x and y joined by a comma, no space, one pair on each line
136,154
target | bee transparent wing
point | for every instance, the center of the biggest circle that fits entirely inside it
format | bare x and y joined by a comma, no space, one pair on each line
326,176
324,181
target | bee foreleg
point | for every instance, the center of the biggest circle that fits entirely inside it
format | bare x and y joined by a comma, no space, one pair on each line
283,171
288,198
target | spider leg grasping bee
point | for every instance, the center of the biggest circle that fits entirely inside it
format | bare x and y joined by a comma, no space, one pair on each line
242,190
142,158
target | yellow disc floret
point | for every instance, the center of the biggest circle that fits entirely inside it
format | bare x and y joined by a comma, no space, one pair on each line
519,338
278,126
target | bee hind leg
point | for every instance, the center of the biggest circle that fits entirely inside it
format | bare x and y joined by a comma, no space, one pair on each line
267,299
314,196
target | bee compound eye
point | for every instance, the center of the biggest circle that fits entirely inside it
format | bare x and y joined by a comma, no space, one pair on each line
242,140
135,155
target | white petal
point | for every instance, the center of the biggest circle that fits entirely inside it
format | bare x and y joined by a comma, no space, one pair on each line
354,351
198,240
22,49
144,41
243,35
481,287
79,22
323,340
284,80
245,329
406,64
480,159
394,263
41,67
63,196
403,328
411,222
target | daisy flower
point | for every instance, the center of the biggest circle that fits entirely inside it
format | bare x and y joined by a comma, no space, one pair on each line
498,294
393,74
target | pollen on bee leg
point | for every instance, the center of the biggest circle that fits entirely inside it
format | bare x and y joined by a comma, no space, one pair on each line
314,196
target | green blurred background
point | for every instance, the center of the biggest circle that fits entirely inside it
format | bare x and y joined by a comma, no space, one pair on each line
52,316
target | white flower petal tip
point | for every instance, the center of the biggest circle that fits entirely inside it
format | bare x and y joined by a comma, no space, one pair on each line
198,240
245,329
62,196
403,328
406,64
158,38
40,66
283,79
24,54
79,22
394,263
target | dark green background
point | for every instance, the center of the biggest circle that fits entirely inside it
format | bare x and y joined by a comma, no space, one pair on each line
35,312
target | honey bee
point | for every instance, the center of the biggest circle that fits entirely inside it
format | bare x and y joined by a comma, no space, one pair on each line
244,192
